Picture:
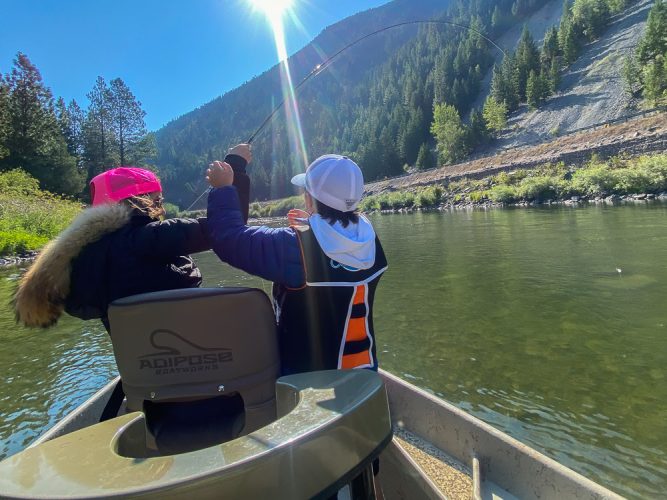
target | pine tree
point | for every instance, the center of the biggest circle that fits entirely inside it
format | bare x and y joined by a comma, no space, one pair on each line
74,135
425,158
127,121
4,118
35,141
449,133
411,136
477,131
495,115
616,6
30,111
565,20
554,76
655,80
98,138
550,49
533,91
590,17
527,58
654,41
631,75
70,120
570,45
496,19
648,71
505,83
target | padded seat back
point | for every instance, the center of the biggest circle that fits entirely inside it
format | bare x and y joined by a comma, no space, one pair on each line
198,343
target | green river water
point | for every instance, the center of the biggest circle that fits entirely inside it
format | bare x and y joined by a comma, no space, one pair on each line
548,323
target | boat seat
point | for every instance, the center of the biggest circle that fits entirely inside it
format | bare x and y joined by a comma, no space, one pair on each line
200,363
332,425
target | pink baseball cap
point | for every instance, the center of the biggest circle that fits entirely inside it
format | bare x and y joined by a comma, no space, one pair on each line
120,183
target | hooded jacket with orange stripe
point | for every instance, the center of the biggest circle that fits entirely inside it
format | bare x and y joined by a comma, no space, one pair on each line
320,327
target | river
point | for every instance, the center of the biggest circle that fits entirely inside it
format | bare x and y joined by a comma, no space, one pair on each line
548,323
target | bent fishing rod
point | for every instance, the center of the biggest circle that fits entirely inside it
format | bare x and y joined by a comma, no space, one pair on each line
327,62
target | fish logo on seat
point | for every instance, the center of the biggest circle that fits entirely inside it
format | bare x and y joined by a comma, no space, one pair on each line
186,357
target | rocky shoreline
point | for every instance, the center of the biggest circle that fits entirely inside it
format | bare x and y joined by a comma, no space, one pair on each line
614,199
19,259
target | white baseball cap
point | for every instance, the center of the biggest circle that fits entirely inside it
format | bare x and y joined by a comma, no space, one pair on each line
334,180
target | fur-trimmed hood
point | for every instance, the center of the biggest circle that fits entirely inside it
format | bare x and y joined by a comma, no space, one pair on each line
40,297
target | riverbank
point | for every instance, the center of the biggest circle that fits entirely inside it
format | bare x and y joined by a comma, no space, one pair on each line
615,180
29,217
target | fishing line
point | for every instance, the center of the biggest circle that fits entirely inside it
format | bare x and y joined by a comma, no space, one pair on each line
327,62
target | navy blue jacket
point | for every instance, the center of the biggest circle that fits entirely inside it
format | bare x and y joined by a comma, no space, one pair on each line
271,253
143,256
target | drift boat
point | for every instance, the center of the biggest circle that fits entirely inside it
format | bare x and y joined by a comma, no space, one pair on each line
206,416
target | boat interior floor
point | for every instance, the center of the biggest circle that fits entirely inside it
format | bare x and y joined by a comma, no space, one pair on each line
452,479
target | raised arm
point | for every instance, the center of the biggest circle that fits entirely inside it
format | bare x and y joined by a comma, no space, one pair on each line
270,253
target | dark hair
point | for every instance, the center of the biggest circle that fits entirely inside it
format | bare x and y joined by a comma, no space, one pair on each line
331,215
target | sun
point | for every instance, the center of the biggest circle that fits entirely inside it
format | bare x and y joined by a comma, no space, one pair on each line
273,9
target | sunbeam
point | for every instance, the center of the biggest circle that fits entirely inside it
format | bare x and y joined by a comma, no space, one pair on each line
274,10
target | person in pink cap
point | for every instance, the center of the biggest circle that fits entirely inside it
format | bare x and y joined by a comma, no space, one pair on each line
117,248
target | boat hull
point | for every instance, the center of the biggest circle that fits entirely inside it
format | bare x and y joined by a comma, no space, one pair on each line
498,465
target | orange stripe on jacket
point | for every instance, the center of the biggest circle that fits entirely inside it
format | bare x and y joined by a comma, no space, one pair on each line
354,360
356,331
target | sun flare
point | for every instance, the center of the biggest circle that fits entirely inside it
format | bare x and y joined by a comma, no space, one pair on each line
273,9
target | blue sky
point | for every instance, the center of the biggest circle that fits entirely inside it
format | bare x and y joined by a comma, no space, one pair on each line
175,55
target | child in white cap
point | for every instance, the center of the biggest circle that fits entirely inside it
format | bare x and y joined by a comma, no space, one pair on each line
325,266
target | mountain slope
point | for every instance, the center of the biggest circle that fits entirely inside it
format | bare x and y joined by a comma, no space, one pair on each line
538,23
186,143
591,91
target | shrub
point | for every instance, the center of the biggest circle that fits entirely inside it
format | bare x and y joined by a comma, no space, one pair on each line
502,178
594,180
554,169
503,194
428,197
655,170
18,182
12,242
369,204
631,180
538,188
477,196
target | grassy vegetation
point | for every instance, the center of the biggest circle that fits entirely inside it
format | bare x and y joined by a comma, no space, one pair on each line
276,208
29,217
551,182
597,178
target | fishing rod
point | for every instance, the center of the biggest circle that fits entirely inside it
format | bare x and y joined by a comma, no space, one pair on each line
327,62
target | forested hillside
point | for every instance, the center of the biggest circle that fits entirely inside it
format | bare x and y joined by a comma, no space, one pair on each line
375,103
391,100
